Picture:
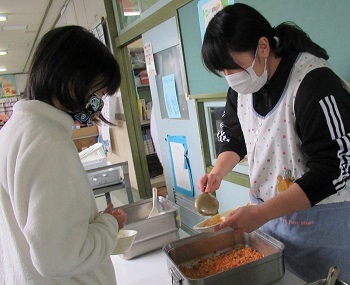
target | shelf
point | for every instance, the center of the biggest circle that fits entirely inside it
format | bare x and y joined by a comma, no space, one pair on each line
124,184
139,67
143,86
158,181
145,123
9,97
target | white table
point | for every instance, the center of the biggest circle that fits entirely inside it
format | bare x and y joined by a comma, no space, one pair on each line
152,269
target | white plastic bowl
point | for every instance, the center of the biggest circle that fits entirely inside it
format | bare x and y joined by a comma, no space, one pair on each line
209,224
125,240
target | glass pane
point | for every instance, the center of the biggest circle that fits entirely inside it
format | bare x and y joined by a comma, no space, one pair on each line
132,9
145,4
169,62
213,114
215,118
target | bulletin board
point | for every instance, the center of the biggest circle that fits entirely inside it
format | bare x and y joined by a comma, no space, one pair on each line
332,35
207,10
180,165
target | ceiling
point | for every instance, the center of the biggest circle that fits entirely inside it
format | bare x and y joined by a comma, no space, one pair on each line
37,17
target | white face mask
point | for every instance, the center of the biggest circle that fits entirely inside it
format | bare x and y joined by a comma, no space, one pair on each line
246,81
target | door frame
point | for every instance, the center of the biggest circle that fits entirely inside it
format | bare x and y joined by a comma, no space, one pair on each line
128,92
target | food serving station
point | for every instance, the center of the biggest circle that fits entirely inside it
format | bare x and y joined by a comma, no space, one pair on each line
163,253
160,245
152,269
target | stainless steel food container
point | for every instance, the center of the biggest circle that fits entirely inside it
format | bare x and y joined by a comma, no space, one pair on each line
155,232
267,270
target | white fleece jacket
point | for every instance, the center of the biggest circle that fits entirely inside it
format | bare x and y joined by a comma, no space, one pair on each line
50,230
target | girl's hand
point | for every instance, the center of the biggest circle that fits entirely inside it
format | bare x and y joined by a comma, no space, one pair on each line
118,214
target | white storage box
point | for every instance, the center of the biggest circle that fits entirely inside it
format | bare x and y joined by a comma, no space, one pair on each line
94,152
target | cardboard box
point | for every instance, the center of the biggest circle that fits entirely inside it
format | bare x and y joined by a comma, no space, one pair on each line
85,137
85,132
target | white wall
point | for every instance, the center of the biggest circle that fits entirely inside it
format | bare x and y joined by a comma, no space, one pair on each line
21,82
82,13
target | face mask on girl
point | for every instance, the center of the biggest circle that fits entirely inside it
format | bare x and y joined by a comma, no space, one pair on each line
246,81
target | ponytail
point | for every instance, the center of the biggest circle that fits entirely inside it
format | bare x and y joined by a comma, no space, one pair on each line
292,38
238,28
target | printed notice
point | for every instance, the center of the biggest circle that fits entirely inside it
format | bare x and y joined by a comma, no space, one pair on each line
170,96
180,165
150,66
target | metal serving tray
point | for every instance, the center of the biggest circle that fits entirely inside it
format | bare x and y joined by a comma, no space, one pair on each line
155,232
267,270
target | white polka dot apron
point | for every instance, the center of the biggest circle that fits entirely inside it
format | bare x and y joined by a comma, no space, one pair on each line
315,238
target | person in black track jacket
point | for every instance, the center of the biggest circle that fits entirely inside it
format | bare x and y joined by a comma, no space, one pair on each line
289,113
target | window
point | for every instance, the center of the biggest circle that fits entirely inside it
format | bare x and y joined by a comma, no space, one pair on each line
133,10
213,111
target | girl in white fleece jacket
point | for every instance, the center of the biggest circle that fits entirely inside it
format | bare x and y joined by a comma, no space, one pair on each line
51,232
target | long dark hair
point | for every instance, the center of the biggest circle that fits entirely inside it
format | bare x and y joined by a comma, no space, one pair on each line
67,64
238,28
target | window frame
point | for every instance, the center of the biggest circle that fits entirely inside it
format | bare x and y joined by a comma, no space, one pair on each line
238,175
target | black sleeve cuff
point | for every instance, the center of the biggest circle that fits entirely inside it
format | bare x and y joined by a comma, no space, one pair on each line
233,147
315,186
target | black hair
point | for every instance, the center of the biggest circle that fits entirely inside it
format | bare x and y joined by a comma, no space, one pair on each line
68,65
238,28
